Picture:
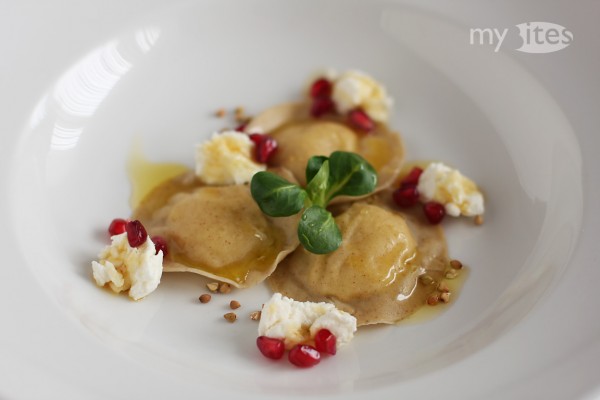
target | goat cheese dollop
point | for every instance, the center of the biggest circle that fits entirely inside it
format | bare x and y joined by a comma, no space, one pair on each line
458,194
227,158
353,89
299,321
122,267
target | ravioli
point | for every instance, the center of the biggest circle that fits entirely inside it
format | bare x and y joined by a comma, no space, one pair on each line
374,275
300,137
217,231
301,140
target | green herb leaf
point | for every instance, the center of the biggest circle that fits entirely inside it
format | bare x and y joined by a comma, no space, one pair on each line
318,231
317,187
313,166
275,196
350,175
340,174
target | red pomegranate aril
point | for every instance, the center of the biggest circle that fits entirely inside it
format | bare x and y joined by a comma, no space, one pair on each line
117,226
270,347
160,244
434,212
325,341
321,106
320,88
406,196
136,233
265,147
303,355
413,176
359,119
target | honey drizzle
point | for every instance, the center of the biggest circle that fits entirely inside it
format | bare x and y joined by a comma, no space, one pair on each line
426,312
145,175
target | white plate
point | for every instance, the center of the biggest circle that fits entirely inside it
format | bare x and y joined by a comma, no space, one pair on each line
82,80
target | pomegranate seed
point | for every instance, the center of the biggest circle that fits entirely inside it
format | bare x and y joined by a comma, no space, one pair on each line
265,147
303,355
325,341
321,106
413,176
434,212
241,128
406,196
117,226
270,347
320,88
359,119
160,244
136,233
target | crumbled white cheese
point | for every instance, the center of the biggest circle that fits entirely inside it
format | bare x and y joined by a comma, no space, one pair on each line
298,322
227,158
354,89
123,267
448,186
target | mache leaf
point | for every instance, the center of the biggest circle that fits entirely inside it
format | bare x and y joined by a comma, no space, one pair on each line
318,231
350,175
276,196
313,166
318,185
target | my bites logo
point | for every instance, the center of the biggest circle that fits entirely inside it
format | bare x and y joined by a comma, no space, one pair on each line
538,37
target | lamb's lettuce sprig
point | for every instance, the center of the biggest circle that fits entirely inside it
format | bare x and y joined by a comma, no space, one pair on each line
340,174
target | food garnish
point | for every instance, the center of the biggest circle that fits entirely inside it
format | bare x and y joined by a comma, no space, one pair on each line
304,356
255,315
352,93
270,347
227,158
224,287
458,194
136,233
340,174
230,317
300,322
131,263
264,148
325,341
443,191
160,244
360,120
212,286
434,212
117,226
204,298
